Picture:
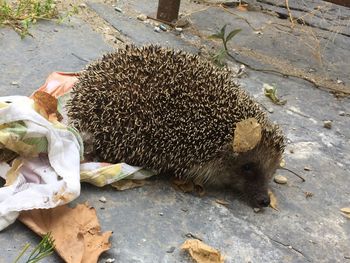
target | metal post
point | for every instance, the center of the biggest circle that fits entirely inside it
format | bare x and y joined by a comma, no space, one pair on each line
168,10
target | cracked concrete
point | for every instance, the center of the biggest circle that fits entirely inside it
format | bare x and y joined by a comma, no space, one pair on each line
150,220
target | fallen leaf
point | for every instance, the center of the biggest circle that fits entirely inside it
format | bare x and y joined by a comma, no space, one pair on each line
76,231
128,184
222,202
13,173
346,210
46,105
283,163
273,200
247,135
242,7
188,186
271,92
202,253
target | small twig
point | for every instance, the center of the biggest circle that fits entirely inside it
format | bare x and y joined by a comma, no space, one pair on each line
302,178
289,246
80,58
289,13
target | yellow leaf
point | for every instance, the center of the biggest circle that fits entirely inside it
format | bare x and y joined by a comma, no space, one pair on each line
201,252
247,135
128,184
13,173
346,210
273,200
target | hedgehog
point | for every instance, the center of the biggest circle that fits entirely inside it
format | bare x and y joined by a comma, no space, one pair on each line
174,113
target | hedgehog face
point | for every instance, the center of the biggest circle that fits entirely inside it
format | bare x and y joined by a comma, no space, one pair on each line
247,172
250,173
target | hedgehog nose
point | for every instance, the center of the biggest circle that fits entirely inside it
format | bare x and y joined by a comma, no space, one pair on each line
264,201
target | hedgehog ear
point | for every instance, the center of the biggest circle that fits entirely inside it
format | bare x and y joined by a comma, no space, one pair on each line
247,135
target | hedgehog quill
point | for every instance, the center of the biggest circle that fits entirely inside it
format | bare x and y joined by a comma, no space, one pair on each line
175,113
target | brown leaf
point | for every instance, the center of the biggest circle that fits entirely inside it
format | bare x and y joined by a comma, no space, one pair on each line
273,200
202,253
184,186
76,231
188,187
247,135
46,105
128,184
13,173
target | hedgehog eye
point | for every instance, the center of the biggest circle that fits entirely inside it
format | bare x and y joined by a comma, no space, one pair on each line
247,167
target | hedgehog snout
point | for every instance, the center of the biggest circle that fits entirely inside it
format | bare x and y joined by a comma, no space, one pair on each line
263,201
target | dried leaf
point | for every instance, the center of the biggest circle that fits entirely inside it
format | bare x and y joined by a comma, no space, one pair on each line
128,184
13,173
188,186
202,253
283,163
346,210
271,92
76,231
222,202
247,135
242,7
273,200
46,105
184,186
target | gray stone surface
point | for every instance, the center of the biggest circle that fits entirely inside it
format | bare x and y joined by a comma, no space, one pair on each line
148,221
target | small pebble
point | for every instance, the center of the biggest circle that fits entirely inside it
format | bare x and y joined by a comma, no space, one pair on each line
118,9
110,260
256,210
55,30
161,214
178,29
170,250
327,124
14,83
142,17
290,247
157,29
339,81
280,179
163,27
291,151
184,209
341,113
306,168
270,110
82,5
102,199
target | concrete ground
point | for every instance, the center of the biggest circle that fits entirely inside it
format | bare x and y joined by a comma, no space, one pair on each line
309,64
